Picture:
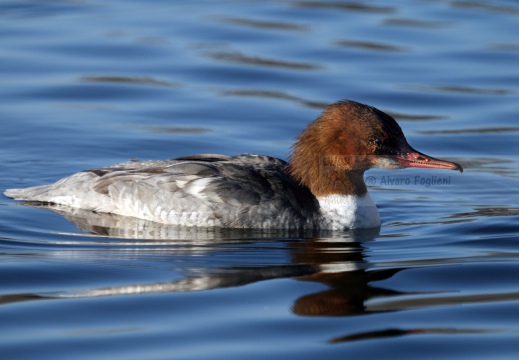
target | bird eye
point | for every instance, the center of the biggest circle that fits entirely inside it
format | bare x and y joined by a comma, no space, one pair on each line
377,141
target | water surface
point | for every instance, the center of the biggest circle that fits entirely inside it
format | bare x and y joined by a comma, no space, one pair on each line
89,83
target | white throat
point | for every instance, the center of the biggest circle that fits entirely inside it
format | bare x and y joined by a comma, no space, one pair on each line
340,212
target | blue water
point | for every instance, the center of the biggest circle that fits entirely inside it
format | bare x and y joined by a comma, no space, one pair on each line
85,84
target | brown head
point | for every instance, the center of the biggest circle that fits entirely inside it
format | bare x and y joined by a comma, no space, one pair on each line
331,155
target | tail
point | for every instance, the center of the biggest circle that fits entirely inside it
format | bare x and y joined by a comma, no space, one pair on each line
32,193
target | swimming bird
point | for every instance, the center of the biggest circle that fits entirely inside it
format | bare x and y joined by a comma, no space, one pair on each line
321,187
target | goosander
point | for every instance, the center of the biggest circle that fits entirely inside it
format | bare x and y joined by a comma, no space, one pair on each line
321,187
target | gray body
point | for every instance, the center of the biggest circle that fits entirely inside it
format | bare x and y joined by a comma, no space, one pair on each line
244,191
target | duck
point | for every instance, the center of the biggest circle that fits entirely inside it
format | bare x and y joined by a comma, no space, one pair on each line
321,187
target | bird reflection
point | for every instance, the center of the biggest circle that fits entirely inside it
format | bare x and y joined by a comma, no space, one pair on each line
334,259
342,267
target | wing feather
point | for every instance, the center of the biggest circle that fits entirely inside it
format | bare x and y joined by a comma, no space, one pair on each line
200,190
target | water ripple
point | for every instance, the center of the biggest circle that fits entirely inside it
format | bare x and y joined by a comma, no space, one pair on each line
347,6
236,57
135,80
370,45
266,24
